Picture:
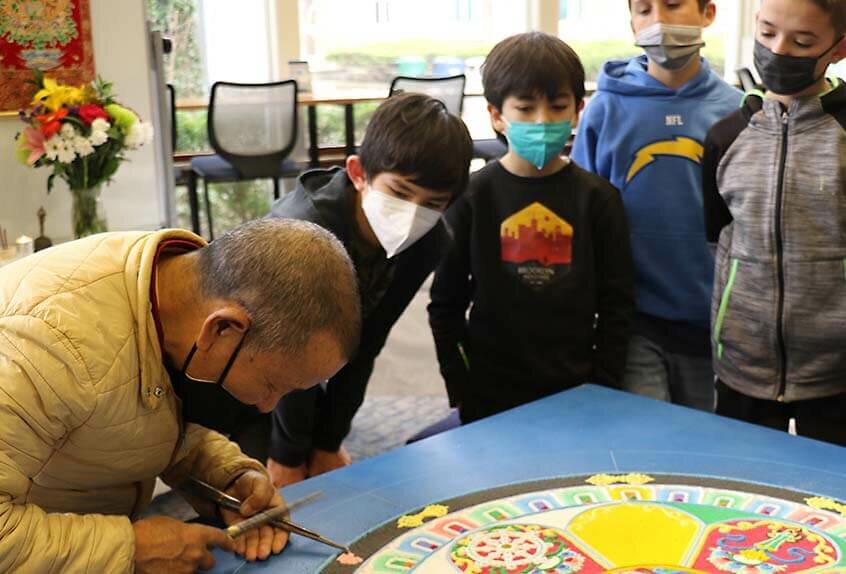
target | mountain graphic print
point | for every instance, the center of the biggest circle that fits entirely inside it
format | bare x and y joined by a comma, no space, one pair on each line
536,245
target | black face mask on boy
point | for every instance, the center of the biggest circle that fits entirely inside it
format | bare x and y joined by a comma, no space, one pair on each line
787,75
208,403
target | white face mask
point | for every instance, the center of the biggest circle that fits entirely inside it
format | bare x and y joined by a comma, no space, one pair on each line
397,223
671,47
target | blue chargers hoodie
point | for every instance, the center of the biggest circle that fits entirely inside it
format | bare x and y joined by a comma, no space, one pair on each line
647,139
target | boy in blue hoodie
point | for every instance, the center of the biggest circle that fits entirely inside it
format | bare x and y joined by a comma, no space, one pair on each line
644,131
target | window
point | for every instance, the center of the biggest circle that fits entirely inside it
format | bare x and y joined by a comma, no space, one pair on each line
236,40
569,9
214,40
838,69
184,69
356,46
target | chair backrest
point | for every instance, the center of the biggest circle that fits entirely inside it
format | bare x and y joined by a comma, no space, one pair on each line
171,112
747,80
253,126
450,89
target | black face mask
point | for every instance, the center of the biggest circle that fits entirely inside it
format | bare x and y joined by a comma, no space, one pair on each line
208,403
787,75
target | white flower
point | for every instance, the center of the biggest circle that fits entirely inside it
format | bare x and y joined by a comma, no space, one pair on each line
68,132
82,146
100,125
51,148
139,134
99,132
66,152
98,137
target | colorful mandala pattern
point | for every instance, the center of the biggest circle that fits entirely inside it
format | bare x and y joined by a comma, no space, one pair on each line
516,549
634,528
766,547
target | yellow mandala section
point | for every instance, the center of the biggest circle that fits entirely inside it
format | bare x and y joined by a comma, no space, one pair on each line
639,568
416,520
631,478
826,504
637,533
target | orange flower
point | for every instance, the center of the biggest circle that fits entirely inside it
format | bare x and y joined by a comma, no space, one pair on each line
51,123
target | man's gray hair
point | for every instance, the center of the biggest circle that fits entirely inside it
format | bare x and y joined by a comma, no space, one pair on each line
293,277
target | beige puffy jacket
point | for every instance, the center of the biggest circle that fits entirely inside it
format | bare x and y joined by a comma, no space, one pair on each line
88,417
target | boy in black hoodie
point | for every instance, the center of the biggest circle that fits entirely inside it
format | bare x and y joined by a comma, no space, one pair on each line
541,248
386,208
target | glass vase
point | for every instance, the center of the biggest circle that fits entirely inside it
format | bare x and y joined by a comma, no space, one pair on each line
87,213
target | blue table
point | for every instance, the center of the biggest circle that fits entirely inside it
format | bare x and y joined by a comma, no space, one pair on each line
583,431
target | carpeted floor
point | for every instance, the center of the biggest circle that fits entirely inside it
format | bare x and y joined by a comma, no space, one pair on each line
386,422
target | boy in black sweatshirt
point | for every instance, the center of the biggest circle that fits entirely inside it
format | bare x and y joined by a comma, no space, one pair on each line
540,249
386,208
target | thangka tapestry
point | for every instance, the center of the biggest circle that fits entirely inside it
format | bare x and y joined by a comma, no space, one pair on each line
53,36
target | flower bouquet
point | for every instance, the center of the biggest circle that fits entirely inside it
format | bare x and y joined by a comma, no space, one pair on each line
82,134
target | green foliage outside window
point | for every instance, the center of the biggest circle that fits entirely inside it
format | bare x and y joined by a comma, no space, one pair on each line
177,20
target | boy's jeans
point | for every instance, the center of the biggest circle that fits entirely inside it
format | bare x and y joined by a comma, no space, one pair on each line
654,372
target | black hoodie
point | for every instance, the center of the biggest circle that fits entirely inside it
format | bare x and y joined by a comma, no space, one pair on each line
545,267
320,417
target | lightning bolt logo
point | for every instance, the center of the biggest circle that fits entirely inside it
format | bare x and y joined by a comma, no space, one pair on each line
686,148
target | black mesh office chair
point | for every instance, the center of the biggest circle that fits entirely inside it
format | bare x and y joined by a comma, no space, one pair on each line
252,129
449,89
489,149
183,174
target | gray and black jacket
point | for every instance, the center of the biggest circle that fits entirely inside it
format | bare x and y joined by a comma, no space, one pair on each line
775,198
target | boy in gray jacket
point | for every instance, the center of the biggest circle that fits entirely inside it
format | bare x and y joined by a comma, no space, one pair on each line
775,198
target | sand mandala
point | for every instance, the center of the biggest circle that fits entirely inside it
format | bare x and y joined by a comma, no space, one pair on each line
627,524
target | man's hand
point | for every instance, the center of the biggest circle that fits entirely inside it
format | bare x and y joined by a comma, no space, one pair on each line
167,546
323,461
256,493
282,475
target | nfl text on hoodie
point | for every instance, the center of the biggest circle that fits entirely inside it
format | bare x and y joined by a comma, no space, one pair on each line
647,139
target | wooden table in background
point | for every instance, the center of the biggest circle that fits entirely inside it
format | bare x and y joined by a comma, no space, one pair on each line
348,101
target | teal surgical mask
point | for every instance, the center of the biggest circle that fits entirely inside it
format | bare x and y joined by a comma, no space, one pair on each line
538,143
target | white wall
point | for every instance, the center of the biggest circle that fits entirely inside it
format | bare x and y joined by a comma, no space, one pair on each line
133,200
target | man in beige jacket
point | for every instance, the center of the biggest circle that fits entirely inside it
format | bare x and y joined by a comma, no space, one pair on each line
118,355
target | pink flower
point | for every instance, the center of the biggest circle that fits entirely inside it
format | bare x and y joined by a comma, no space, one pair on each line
35,142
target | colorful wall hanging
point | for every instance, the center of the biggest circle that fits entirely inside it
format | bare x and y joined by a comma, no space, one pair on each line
53,36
